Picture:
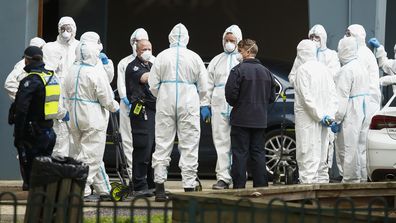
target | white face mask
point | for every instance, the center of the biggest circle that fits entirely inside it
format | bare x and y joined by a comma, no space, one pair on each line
66,35
317,43
146,55
134,50
100,47
239,57
229,47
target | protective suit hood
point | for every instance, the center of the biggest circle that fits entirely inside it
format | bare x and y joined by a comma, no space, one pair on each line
236,31
88,49
178,36
320,31
137,35
306,50
67,20
37,41
52,56
347,49
359,33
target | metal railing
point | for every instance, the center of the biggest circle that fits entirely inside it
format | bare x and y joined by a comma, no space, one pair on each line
73,209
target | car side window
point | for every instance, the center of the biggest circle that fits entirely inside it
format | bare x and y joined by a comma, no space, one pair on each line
393,103
278,87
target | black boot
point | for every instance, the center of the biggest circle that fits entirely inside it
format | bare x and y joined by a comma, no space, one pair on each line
160,195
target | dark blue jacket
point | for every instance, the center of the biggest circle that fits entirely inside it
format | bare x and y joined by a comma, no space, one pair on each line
250,88
29,102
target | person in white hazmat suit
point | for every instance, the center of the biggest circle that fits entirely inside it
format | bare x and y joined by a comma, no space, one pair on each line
215,105
125,124
314,107
386,64
11,83
325,55
178,79
65,46
352,91
329,58
88,96
367,58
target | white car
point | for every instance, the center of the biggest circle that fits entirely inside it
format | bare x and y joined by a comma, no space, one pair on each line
381,143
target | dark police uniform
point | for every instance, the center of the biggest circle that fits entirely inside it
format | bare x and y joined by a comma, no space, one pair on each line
142,124
250,88
34,135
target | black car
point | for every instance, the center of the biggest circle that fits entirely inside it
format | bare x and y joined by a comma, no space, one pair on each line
280,113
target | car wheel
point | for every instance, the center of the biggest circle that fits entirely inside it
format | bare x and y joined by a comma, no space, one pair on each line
286,163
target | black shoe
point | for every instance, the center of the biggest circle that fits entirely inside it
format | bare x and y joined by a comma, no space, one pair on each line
105,197
220,185
25,186
198,187
160,195
143,193
91,198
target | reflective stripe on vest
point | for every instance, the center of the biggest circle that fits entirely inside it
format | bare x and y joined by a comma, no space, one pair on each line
52,93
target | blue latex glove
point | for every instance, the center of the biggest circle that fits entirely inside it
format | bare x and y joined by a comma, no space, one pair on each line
125,100
66,118
205,113
373,42
326,121
103,58
335,127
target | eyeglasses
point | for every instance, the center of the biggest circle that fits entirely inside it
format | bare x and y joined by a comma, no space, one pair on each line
314,37
347,33
67,28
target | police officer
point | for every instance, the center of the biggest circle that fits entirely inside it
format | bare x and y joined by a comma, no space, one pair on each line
249,89
142,116
36,104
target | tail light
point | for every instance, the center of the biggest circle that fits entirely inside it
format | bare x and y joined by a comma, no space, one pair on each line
382,121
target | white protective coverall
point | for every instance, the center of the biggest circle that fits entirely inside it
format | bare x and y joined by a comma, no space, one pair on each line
125,124
11,84
66,47
367,58
388,66
218,71
88,95
315,97
353,92
178,79
325,55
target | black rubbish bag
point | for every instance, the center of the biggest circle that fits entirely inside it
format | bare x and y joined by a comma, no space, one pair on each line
46,170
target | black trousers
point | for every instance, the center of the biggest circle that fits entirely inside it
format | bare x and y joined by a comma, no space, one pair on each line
41,145
143,134
247,147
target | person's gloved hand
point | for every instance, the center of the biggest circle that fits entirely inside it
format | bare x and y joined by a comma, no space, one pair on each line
373,42
326,121
66,118
103,58
117,111
335,127
205,113
126,101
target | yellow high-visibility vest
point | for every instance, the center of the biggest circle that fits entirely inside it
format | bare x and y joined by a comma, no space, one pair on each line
52,94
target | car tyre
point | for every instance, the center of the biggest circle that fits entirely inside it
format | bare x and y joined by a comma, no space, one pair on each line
288,171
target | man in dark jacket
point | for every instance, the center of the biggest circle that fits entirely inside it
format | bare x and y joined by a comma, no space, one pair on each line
250,88
36,104
142,116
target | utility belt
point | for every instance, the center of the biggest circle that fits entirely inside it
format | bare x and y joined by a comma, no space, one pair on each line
139,108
